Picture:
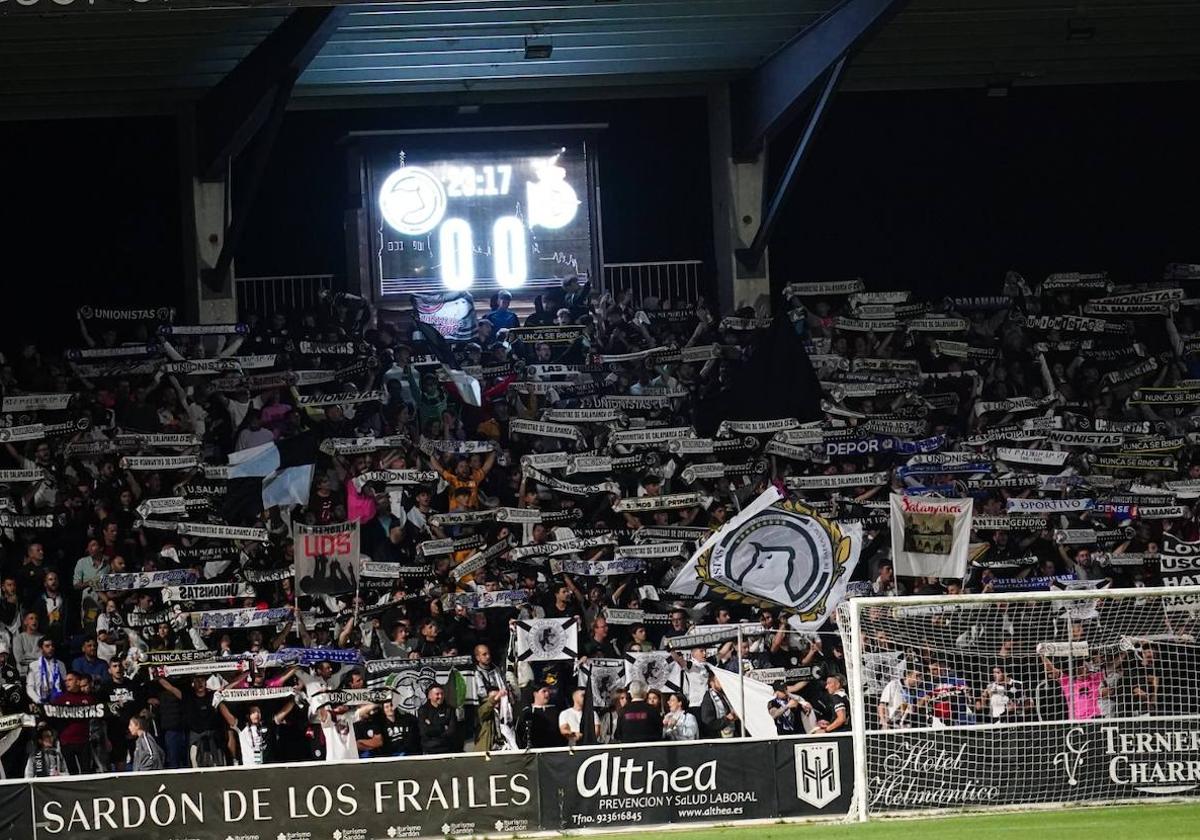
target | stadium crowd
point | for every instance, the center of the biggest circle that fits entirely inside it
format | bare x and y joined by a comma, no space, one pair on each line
596,423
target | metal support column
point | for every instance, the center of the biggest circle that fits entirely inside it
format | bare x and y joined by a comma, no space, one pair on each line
753,255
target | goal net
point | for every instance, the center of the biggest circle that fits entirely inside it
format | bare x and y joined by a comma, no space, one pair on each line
976,701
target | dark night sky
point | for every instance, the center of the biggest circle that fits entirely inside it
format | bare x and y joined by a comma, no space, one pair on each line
925,190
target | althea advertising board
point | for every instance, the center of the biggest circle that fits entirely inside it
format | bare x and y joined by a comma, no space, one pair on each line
447,796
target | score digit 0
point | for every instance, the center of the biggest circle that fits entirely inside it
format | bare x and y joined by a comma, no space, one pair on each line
510,261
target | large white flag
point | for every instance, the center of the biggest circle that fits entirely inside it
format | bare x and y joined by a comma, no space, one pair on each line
750,700
781,553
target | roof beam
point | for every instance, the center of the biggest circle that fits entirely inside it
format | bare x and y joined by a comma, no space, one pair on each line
753,255
765,100
234,109
259,158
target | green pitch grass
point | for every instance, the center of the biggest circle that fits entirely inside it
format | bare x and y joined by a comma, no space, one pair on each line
1159,822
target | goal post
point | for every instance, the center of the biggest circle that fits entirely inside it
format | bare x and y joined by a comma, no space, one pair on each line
1023,699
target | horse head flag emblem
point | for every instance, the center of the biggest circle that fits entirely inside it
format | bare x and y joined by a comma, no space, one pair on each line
761,557
786,555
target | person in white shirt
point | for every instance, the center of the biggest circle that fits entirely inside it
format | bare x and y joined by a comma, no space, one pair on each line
319,681
570,721
89,569
338,729
895,703
694,671
45,494
1002,697
253,434
27,645
46,674
678,723
256,739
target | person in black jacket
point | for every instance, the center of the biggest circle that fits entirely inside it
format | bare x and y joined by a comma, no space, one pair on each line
638,722
436,724
538,724
717,716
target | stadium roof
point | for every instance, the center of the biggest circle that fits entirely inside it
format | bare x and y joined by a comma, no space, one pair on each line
68,57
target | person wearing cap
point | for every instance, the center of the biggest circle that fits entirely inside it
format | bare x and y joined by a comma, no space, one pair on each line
784,709
538,724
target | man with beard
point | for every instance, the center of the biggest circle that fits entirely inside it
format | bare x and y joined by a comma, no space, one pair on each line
123,699
493,700
436,724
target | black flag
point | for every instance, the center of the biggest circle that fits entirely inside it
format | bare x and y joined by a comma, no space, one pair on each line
776,381
587,721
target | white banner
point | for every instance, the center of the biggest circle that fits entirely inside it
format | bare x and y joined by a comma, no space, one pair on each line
542,429
207,592
665,502
1037,457
1089,440
37,402
1049,505
836,482
930,536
